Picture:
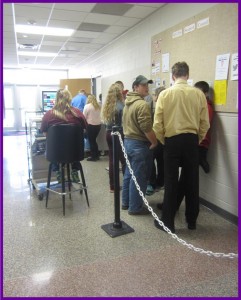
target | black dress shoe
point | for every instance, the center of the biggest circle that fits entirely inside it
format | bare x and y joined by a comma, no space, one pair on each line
156,223
191,226
159,205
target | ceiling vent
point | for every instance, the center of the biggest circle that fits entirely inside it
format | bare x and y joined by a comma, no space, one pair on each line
28,46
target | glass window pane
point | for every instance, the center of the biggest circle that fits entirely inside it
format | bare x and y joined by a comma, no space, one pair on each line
28,97
8,121
8,97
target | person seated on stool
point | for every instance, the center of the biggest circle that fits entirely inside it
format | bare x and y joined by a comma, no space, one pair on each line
64,113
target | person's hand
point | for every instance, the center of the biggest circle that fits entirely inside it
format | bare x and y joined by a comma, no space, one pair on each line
153,145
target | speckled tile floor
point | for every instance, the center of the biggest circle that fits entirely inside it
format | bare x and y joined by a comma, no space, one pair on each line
47,254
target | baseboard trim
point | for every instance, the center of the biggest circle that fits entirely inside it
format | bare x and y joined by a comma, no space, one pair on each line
223,213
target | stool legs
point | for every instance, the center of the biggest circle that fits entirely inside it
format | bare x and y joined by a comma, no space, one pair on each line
62,168
69,181
84,184
48,183
63,187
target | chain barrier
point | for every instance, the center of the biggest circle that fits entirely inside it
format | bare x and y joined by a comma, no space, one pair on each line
173,235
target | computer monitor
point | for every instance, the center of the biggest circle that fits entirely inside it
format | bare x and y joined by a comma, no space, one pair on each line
48,99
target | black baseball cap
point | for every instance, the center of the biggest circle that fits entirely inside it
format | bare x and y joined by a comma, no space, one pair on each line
141,80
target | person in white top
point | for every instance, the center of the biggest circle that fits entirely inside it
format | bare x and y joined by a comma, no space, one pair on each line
91,112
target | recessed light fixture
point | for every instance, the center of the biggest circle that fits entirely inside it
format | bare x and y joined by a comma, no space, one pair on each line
31,22
28,46
28,29
43,54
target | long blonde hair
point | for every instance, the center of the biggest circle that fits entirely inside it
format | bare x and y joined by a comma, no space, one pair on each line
108,110
92,99
63,104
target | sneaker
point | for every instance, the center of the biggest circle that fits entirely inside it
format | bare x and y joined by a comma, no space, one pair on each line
75,176
149,190
58,176
124,207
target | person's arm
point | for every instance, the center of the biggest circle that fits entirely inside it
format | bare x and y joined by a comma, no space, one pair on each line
158,125
151,138
204,123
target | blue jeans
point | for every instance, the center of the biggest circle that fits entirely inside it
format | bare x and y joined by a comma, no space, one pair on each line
140,158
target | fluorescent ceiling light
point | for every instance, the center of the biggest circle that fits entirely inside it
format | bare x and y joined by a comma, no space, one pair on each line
29,53
43,30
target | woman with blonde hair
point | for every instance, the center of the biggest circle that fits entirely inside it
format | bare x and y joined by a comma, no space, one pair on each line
64,113
91,112
112,116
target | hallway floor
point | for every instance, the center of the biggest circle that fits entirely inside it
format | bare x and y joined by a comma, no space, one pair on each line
48,254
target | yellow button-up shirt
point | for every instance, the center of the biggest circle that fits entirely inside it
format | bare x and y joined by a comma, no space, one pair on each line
181,109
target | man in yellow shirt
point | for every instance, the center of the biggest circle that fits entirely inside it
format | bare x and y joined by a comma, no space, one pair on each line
180,123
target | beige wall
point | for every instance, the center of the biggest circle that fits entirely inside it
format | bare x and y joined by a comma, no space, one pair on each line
130,56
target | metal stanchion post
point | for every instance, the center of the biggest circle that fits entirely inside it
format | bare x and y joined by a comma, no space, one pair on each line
118,227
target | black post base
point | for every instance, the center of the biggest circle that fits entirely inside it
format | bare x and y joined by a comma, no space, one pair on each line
113,232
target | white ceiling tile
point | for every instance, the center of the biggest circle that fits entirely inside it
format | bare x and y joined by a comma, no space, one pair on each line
156,5
84,7
68,15
87,34
7,9
8,20
63,24
128,22
24,21
8,27
52,43
44,60
31,12
82,43
52,49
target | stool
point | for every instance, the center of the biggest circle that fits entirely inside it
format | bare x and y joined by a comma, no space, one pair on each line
65,145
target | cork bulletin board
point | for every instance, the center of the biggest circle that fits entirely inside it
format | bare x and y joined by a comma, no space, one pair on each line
74,85
198,41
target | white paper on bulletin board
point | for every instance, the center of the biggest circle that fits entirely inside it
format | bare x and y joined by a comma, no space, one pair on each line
234,67
165,62
222,63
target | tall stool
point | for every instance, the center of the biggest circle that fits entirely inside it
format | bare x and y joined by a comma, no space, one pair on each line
65,145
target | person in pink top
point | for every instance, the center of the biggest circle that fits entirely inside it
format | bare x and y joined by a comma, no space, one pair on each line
91,112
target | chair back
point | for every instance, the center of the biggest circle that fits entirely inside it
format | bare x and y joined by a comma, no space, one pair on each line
65,143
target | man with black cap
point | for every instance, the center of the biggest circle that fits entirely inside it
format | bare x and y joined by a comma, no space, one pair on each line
139,140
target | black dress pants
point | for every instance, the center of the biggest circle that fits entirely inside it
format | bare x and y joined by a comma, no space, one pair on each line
181,150
92,132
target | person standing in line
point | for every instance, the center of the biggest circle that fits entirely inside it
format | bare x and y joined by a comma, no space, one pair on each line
121,85
112,116
181,122
157,174
139,140
205,143
79,100
63,113
202,147
92,112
